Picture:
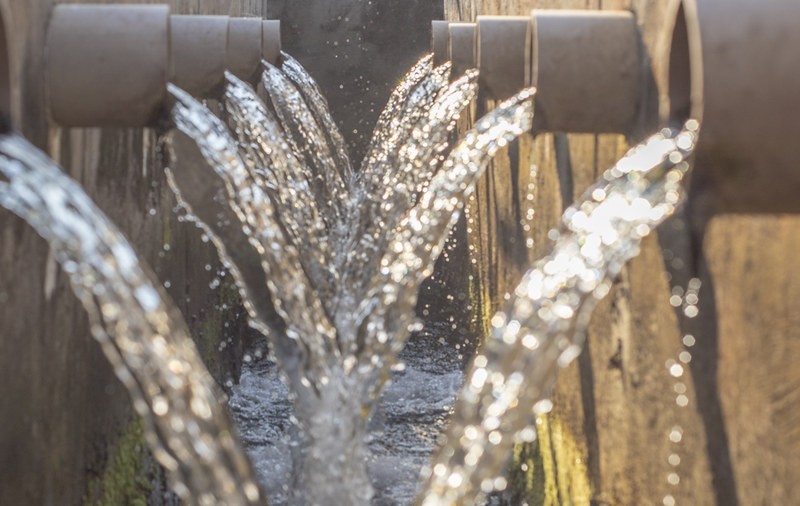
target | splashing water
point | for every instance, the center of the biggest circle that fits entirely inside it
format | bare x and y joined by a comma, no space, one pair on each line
543,327
384,191
141,333
326,401
264,146
321,240
390,117
329,263
388,310
309,335
400,119
307,138
379,214
319,105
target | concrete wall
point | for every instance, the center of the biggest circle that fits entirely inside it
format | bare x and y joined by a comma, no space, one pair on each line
61,408
608,439
358,51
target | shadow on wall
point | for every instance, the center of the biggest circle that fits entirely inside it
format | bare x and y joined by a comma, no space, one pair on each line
358,51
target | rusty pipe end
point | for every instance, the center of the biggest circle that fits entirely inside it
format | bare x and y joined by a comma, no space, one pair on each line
199,50
107,65
504,46
271,43
462,48
587,70
440,42
245,36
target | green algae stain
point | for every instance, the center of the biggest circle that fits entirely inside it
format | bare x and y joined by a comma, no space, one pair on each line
208,340
126,480
211,332
550,471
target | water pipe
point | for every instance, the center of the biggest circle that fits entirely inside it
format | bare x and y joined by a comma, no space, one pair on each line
462,48
245,46
588,71
271,39
107,65
586,65
199,53
440,42
734,65
504,55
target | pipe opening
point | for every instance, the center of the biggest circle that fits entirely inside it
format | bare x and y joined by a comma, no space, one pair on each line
107,65
5,78
462,48
440,42
685,69
245,47
199,46
272,43
587,68
504,48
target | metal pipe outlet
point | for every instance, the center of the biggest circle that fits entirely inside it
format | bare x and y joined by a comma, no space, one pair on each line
587,69
440,42
271,43
107,65
734,65
462,48
245,46
199,51
504,55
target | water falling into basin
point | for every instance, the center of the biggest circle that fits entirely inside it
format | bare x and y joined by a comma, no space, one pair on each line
326,402
329,263
320,234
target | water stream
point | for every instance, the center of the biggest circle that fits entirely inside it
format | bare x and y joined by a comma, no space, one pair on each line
326,238
402,434
316,101
141,332
384,239
544,325
329,262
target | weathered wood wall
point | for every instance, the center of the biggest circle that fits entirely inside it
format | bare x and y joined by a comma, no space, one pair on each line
618,434
61,407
